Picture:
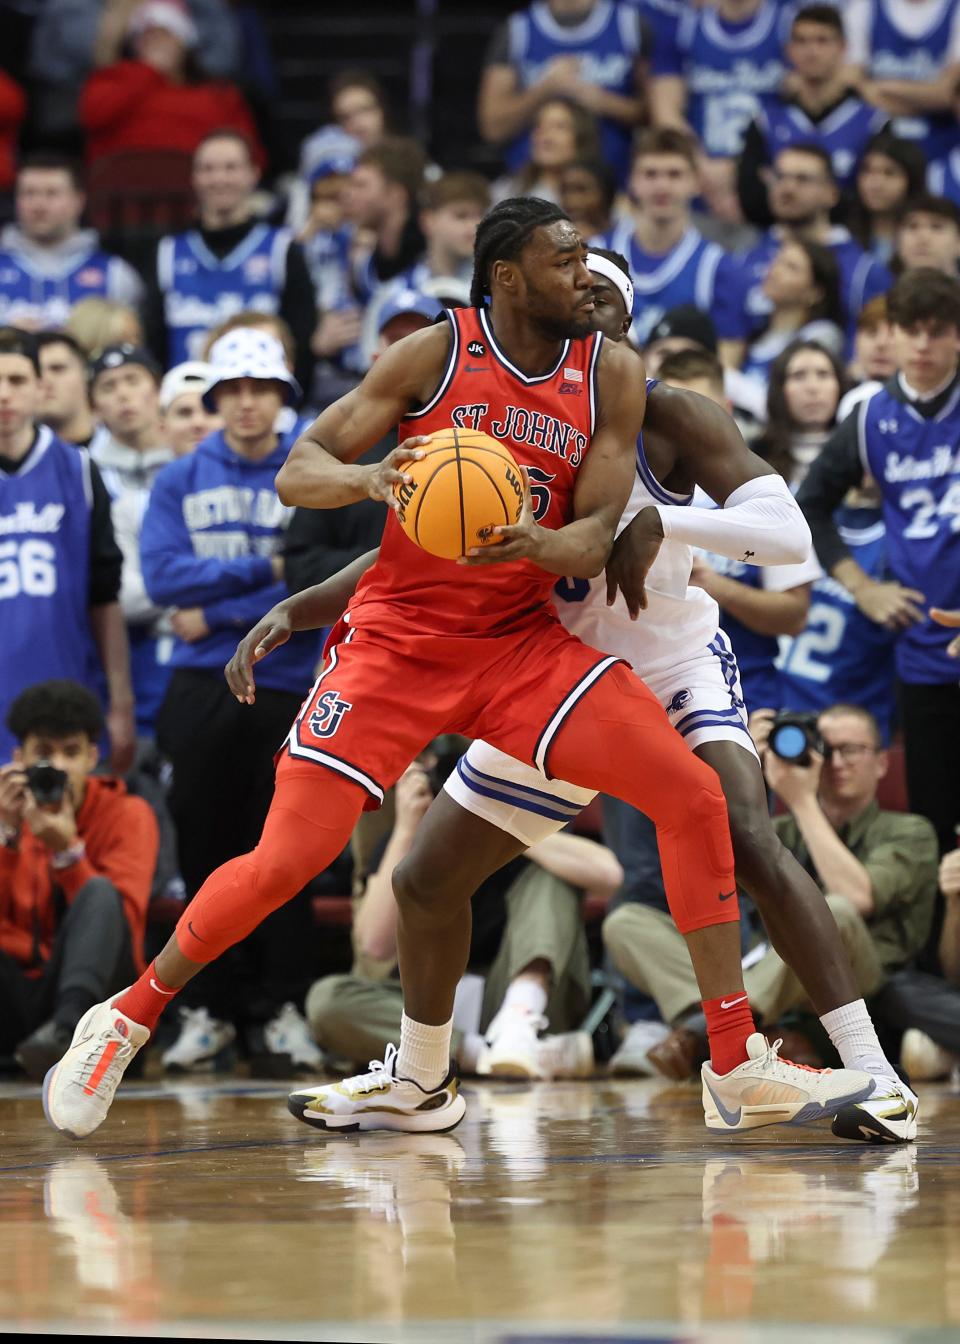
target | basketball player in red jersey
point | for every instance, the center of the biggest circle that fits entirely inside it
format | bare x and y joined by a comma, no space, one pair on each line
429,645
491,810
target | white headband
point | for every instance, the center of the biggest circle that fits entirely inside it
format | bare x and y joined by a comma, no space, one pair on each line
612,272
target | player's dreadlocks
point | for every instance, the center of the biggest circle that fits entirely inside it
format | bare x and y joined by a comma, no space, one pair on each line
501,236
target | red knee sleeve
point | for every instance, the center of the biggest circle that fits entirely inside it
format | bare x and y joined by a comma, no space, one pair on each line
311,819
697,864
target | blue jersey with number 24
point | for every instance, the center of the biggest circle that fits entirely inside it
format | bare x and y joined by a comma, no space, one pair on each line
916,463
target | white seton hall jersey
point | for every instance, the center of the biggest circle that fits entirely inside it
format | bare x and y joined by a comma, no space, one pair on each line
679,620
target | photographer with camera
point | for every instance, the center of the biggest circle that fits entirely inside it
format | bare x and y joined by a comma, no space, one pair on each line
527,943
878,870
77,855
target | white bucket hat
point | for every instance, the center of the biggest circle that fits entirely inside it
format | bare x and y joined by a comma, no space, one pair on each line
247,352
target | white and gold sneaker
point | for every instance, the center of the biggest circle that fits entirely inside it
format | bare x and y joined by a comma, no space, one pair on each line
380,1100
768,1090
888,1115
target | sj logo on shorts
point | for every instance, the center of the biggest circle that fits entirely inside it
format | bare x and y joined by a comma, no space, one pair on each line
326,716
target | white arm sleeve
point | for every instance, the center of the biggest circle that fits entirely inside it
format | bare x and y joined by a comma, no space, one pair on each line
761,524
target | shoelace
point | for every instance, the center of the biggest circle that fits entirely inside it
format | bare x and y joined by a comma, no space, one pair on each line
113,1072
379,1077
779,1066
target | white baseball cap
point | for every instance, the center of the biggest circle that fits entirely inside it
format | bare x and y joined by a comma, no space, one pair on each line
192,376
247,352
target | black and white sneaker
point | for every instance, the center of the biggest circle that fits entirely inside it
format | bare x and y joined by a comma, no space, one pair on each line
379,1099
888,1115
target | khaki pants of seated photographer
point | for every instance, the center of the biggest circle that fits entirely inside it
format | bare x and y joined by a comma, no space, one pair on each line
647,950
355,1018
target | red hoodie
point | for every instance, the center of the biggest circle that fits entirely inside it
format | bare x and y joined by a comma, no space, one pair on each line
131,105
13,109
122,839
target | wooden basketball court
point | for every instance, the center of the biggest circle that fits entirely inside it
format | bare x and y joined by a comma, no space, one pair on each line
556,1212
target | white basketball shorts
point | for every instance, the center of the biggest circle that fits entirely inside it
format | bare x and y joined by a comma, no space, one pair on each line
703,700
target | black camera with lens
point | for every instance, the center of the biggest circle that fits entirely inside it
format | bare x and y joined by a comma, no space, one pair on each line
46,782
795,735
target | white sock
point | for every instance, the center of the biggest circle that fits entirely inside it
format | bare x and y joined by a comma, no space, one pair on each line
469,1053
853,1035
525,995
424,1054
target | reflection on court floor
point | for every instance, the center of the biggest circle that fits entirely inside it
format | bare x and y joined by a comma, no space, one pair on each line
556,1212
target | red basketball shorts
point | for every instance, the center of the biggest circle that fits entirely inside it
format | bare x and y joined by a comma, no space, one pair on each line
381,699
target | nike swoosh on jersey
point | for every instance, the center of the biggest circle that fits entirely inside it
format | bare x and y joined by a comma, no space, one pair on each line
725,895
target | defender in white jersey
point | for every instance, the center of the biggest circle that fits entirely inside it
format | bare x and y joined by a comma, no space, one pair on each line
494,807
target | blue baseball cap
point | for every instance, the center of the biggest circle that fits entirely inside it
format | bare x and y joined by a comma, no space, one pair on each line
409,301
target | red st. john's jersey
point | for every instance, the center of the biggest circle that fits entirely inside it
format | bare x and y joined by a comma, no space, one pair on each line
547,422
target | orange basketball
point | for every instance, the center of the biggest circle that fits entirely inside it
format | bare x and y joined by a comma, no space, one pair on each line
464,486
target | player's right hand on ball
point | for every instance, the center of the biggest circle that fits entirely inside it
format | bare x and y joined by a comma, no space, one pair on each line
268,634
388,473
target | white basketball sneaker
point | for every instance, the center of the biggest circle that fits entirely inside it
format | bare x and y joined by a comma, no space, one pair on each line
888,1115
78,1091
288,1036
569,1054
513,1046
632,1058
380,1100
768,1090
202,1040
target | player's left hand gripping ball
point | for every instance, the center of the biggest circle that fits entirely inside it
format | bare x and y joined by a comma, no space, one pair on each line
518,541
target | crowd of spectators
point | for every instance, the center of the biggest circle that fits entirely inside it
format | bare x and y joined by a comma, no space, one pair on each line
784,183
